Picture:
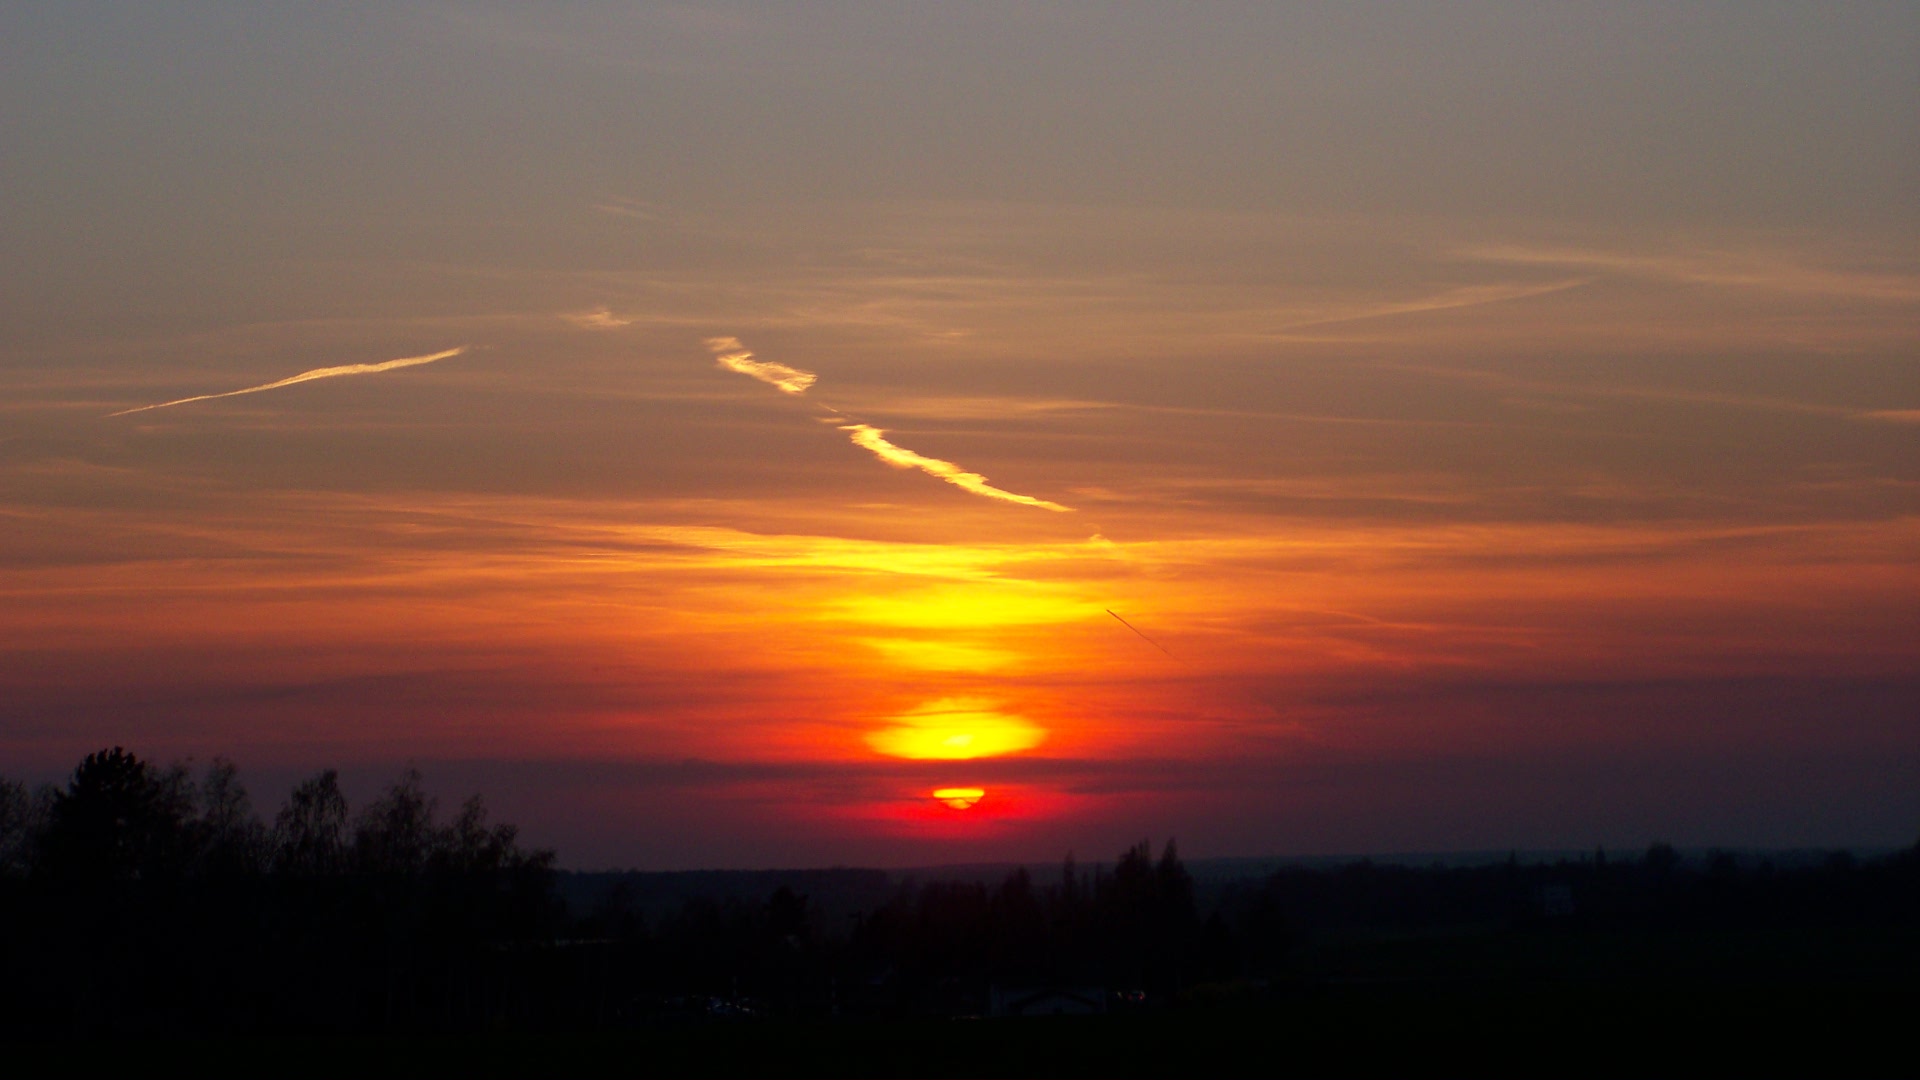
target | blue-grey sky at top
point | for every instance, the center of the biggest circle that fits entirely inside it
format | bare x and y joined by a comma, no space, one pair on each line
201,141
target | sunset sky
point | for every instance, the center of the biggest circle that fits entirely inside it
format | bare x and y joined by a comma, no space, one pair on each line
711,430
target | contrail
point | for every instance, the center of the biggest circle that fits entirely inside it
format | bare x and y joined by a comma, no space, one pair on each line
1463,297
729,353
1143,637
902,458
309,376
733,356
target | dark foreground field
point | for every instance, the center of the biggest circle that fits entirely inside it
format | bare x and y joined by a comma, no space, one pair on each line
1351,1030
149,922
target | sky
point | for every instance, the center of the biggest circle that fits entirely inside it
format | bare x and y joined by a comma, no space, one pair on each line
710,430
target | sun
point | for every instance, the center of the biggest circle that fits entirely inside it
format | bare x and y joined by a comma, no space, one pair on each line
960,798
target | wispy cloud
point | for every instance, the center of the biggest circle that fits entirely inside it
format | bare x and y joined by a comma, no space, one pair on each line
309,376
599,318
1462,297
1892,416
1727,268
733,356
1553,390
901,458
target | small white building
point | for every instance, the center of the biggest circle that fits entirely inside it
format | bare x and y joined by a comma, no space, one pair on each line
1046,1000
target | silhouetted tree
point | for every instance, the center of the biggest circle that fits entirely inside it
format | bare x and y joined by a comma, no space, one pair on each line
469,846
1175,888
1660,860
787,917
115,821
309,835
1147,916
1021,939
395,833
230,839
17,828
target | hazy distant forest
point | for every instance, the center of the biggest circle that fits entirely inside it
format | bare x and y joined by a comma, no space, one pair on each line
139,900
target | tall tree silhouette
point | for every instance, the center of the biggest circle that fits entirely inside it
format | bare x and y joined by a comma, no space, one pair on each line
229,838
117,820
309,835
470,846
395,833
16,829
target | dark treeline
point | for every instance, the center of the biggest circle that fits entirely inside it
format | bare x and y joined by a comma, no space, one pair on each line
143,900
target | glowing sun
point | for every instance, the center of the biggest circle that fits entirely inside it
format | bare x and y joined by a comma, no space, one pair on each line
960,798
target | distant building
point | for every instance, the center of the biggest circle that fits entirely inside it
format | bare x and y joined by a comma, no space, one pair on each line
1046,1001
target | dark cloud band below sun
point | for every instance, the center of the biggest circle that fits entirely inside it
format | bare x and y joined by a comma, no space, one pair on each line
733,356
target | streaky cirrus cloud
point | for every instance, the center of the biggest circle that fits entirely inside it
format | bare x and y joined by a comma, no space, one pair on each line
900,457
308,376
1462,297
1893,416
1752,269
600,318
733,356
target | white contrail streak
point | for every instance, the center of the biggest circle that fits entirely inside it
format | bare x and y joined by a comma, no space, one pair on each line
900,457
733,356
1464,297
309,376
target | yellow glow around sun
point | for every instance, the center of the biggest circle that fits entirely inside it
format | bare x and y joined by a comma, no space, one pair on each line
960,798
955,729
938,655
988,605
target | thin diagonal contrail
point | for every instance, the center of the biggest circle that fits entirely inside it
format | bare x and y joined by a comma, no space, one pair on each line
875,440
1143,637
730,354
309,376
